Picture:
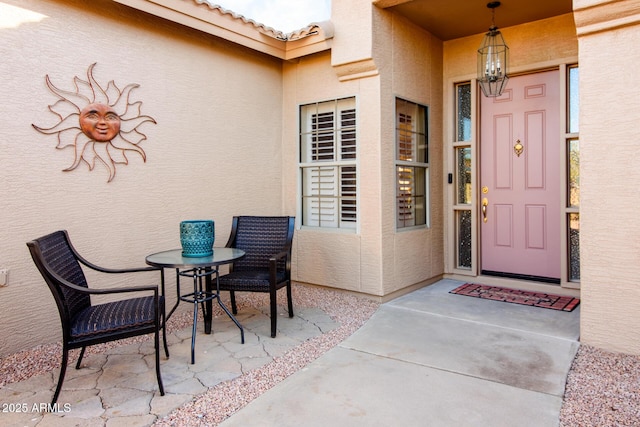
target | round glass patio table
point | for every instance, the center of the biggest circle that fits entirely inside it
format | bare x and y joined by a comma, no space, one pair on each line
198,268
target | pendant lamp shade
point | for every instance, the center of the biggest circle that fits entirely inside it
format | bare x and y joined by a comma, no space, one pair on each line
493,56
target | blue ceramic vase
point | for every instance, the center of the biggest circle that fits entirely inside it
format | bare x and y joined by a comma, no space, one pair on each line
197,237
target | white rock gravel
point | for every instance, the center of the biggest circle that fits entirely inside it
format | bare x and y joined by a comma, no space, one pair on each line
603,389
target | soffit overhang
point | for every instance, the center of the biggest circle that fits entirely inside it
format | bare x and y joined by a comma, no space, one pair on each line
213,19
452,19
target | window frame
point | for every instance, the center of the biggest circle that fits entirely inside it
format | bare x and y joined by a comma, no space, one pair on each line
572,166
418,132
329,175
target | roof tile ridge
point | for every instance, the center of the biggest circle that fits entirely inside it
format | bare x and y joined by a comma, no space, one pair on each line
259,26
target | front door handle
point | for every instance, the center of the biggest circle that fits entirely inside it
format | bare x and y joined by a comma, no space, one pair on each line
485,203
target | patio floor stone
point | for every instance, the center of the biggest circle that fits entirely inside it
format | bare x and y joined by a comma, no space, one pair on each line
118,386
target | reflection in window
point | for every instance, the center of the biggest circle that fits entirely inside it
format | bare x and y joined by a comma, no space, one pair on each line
573,173
412,157
463,177
463,230
463,112
411,196
573,157
463,156
574,101
574,246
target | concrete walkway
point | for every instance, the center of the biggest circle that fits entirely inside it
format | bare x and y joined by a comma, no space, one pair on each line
431,358
428,358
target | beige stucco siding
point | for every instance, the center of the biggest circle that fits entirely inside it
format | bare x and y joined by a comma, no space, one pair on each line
215,151
534,44
413,72
609,143
352,45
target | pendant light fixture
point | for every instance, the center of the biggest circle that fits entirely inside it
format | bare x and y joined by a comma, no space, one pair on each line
492,59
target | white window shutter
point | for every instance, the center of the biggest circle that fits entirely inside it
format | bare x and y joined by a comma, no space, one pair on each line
328,136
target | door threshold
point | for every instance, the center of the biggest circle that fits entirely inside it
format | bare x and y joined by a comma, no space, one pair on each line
527,277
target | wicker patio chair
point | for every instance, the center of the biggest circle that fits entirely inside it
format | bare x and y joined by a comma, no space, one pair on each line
85,324
267,264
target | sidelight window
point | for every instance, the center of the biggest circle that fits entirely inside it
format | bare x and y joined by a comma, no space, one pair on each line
572,142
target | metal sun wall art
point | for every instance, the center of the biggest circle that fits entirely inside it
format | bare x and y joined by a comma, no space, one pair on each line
100,124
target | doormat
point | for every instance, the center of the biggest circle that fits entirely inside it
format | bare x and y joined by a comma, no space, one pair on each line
534,299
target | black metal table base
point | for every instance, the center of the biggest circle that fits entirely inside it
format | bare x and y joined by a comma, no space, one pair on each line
202,297
198,268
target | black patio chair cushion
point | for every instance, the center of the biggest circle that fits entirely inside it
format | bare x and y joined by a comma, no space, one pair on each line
115,317
251,281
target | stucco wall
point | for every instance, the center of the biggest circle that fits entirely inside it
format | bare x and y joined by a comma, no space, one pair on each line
412,71
406,62
537,43
609,226
215,151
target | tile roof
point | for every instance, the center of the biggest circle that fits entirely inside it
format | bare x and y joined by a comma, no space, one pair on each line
309,30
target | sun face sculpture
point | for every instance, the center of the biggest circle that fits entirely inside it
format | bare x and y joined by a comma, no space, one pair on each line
101,125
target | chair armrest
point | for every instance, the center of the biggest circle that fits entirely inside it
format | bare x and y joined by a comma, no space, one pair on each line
273,265
153,288
278,256
90,291
120,270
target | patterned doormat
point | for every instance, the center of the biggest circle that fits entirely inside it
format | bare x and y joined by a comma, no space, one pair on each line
535,299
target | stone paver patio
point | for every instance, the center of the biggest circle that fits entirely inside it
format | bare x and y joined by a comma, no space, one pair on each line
118,386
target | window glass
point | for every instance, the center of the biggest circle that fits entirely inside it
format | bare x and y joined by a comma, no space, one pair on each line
463,231
463,112
463,166
574,246
573,157
573,173
411,196
411,131
412,156
573,101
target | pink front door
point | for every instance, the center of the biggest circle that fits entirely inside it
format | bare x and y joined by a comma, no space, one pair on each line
520,179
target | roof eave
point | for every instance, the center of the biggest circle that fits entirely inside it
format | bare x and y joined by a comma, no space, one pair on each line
214,20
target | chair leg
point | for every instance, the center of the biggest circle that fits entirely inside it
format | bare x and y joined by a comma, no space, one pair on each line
63,370
274,312
234,308
157,345
289,299
80,357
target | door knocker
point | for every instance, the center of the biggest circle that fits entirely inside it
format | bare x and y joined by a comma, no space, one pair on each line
518,148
